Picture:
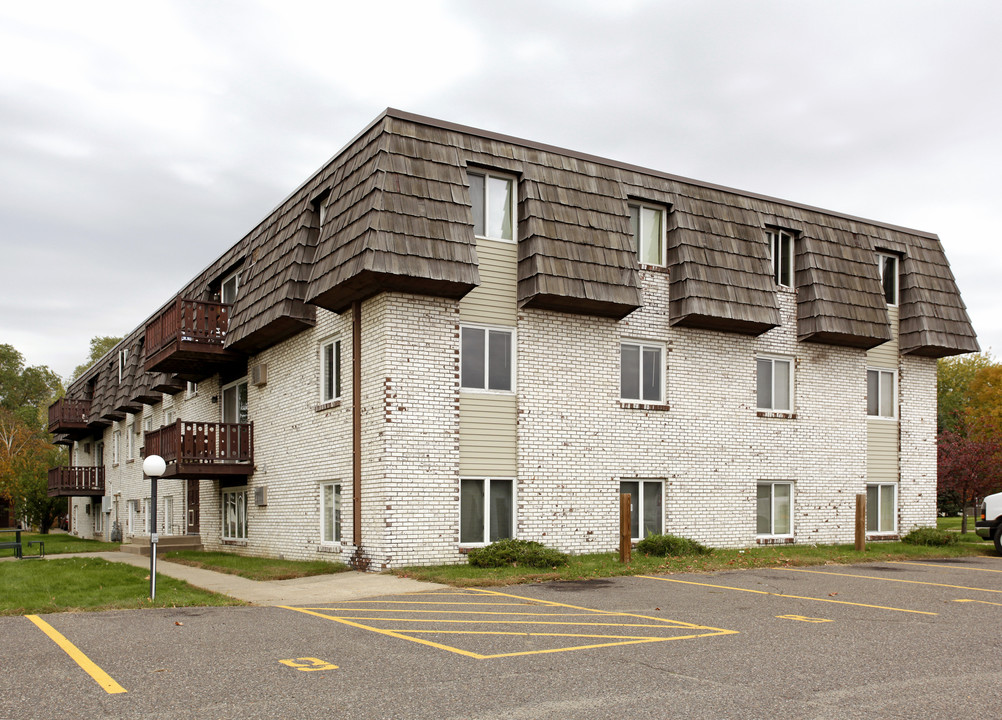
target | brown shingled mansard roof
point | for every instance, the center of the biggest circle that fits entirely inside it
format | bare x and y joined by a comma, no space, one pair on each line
398,218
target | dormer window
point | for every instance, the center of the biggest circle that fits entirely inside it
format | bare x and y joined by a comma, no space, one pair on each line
781,254
889,277
648,226
493,203
229,287
123,357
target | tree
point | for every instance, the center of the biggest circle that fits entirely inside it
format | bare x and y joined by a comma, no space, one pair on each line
27,391
99,347
968,467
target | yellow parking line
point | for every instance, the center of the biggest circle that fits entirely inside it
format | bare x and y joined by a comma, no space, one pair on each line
100,676
940,565
795,597
887,579
983,602
666,623
461,612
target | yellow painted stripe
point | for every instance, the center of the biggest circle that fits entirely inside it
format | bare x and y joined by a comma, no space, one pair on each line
100,676
941,565
887,579
535,634
506,613
505,622
982,602
795,597
596,645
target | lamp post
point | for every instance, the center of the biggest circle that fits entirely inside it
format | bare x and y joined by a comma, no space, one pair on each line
153,467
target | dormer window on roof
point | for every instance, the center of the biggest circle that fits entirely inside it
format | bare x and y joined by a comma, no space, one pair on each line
123,357
493,203
648,226
229,287
781,253
889,277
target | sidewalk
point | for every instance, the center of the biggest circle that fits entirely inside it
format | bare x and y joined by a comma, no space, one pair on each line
316,589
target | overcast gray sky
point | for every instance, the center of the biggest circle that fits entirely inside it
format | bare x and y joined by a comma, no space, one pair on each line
139,140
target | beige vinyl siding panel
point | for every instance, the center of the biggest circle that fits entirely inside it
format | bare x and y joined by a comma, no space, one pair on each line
885,355
487,435
881,451
493,302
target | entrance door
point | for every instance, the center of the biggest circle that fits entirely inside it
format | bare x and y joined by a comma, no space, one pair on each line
191,506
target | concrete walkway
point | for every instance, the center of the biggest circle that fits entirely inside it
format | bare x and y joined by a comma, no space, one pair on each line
313,590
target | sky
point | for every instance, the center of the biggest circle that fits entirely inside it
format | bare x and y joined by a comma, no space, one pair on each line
140,140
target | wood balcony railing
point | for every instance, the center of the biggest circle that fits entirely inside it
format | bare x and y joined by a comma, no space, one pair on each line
186,335
76,481
203,449
69,416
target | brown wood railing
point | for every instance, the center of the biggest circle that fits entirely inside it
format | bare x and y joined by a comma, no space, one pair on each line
186,442
66,411
188,321
76,480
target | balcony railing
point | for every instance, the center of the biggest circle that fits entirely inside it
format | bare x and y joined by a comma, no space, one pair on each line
76,481
69,416
185,334
203,449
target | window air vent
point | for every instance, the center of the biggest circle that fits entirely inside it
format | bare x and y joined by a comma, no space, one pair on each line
259,375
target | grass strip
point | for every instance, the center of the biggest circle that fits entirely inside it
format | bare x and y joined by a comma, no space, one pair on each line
56,544
49,586
253,568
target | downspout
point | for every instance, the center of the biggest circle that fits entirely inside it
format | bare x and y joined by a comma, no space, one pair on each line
356,432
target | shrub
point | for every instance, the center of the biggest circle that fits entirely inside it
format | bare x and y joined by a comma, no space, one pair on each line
930,536
665,545
512,552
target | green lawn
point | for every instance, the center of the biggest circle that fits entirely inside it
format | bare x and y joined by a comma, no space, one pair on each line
253,568
584,567
49,586
953,523
56,544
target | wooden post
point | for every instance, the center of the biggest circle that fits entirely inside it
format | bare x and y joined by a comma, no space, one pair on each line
625,541
861,522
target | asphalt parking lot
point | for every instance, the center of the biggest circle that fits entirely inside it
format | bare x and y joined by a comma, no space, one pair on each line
889,640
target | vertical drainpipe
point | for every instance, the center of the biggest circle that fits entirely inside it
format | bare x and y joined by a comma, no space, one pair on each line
356,426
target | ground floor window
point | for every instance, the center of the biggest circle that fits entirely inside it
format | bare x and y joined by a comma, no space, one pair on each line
775,508
98,518
486,509
646,507
235,515
330,513
881,500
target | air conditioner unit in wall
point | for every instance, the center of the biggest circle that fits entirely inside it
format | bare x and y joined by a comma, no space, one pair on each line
106,504
259,375
261,496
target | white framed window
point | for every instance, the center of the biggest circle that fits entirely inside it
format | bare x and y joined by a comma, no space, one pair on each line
229,287
234,402
889,277
881,508
123,357
131,443
646,506
641,372
167,516
486,510
648,225
493,199
781,254
486,358
98,517
775,508
133,519
169,416
774,383
330,513
330,370
234,514
116,447
881,389
99,454
191,390
147,516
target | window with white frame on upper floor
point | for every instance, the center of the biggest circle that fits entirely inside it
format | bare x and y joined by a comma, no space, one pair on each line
123,358
774,508
781,255
881,389
169,416
234,508
486,358
191,389
330,513
493,199
486,510
229,288
130,443
881,508
330,370
647,223
889,277
234,402
646,506
116,446
641,372
774,383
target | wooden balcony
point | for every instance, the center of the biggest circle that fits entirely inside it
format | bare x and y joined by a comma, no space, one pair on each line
76,481
203,449
69,417
188,338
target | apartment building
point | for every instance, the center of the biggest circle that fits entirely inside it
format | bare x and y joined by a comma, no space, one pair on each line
447,336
